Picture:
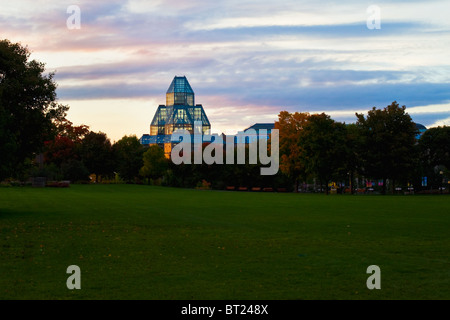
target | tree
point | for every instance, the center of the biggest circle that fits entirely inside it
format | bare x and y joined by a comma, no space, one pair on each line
74,170
155,163
64,151
96,154
389,139
353,150
435,145
434,149
323,142
128,153
28,107
59,150
290,126
66,144
65,128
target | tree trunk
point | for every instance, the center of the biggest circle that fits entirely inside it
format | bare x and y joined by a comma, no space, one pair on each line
351,182
296,185
384,186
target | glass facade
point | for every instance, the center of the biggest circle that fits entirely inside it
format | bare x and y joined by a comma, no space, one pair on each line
180,112
159,121
180,93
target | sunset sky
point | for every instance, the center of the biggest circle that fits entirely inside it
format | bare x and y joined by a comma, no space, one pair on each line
245,60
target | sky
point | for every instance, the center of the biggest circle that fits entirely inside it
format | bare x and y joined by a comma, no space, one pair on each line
245,60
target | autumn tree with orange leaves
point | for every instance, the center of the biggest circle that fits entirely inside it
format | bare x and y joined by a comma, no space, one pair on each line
290,126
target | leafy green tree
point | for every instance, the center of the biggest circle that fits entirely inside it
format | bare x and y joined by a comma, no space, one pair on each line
28,107
96,154
323,141
353,149
74,170
128,153
389,139
435,144
155,163
434,148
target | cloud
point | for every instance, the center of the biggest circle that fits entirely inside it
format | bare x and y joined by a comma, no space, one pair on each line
133,68
246,60
440,123
357,29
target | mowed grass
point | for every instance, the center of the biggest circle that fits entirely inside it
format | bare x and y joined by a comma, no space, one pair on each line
144,242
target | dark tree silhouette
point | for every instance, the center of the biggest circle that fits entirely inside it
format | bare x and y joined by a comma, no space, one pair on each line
128,153
96,154
389,139
28,107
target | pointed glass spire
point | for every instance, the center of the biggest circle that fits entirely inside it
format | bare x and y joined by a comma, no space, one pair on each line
180,93
180,112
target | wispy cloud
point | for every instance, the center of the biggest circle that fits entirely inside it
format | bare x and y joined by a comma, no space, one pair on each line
246,60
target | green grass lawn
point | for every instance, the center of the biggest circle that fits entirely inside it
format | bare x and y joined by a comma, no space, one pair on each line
143,242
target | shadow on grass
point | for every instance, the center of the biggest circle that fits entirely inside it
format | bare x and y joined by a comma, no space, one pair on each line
13,213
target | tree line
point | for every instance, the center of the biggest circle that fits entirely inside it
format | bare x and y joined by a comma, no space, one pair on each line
384,146
37,140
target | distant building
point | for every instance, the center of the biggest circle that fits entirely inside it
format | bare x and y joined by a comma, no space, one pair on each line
421,128
179,112
257,127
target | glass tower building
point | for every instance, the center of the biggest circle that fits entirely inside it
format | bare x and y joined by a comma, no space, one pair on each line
180,112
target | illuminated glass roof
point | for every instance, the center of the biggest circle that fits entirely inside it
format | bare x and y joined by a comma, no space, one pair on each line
180,93
180,84
180,112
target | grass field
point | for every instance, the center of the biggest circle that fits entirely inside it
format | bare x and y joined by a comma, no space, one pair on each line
143,242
